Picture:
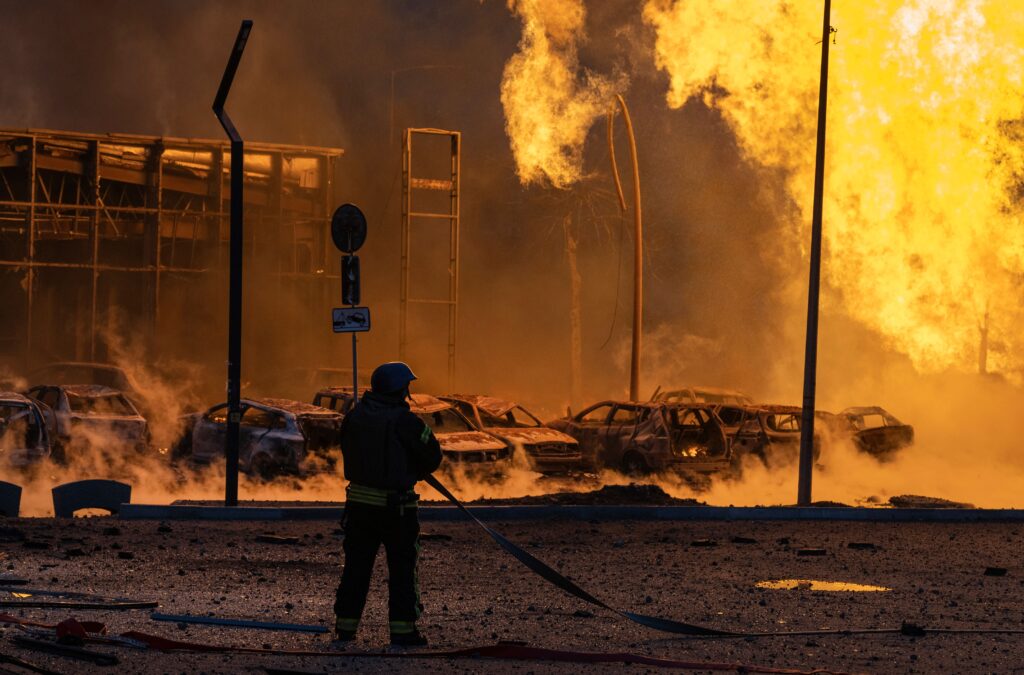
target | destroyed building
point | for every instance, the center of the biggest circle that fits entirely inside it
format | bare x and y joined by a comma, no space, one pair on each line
97,229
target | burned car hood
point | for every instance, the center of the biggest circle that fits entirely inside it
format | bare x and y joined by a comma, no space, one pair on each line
469,441
531,436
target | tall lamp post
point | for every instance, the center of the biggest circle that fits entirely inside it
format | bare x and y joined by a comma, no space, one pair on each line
235,270
811,351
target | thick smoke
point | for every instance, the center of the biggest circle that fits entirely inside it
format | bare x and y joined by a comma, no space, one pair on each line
725,266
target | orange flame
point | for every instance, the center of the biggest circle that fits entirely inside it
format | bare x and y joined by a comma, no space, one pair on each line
549,102
923,236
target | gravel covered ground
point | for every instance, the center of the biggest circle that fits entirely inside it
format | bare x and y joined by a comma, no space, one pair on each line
475,594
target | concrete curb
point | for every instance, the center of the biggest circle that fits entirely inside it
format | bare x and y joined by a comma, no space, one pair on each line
600,513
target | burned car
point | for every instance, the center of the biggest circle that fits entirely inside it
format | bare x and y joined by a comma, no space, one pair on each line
24,439
876,431
770,432
705,395
643,437
83,415
276,436
547,450
461,443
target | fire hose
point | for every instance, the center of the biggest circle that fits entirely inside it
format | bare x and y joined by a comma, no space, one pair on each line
547,573
680,628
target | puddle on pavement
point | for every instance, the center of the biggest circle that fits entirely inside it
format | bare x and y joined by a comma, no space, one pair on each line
818,585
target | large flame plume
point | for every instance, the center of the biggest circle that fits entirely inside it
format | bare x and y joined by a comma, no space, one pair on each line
922,221
549,102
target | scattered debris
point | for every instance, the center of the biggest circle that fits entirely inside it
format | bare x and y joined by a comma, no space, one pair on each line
995,571
615,495
70,600
919,502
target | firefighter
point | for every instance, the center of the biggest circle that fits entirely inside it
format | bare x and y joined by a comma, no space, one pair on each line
386,449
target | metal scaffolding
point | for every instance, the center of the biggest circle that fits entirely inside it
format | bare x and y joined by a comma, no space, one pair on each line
451,185
94,224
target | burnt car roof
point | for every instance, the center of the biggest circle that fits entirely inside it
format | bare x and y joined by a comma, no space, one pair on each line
773,408
425,403
865,410
13,396
698,390
638,404
89,390
297,408
341,390
492,405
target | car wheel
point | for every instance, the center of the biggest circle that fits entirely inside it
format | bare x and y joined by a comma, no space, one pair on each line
634,464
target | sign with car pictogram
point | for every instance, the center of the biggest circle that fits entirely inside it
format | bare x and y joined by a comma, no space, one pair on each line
351,319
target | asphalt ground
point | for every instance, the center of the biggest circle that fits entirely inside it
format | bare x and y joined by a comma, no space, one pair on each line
475,594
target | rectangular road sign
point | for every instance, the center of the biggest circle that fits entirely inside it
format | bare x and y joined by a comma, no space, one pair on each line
351,319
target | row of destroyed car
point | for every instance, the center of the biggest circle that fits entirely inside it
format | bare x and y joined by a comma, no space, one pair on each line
691,430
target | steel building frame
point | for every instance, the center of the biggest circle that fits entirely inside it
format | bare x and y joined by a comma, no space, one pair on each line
151,206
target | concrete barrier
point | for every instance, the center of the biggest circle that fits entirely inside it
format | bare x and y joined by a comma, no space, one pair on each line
599,513
10,499
108,495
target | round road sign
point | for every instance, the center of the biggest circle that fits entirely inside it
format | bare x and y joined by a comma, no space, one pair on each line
348,228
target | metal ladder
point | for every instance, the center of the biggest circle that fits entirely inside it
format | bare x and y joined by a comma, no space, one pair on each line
411,184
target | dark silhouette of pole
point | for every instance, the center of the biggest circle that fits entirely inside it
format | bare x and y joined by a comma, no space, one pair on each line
811,352
638,243
235,270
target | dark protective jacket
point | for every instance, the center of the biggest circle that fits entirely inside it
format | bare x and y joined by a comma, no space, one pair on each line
387,446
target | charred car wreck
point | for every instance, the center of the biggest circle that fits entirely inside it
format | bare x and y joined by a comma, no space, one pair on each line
24,440
80,416
644,437
462,444
547,450
277,436
876,431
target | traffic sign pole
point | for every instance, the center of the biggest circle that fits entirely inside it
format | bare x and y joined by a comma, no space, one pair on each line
348,231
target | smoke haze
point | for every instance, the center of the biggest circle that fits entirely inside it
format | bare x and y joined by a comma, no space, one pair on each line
922,228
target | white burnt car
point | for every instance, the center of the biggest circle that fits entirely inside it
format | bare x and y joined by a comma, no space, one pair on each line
24,439
276,436
547,450
80,416
461,442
